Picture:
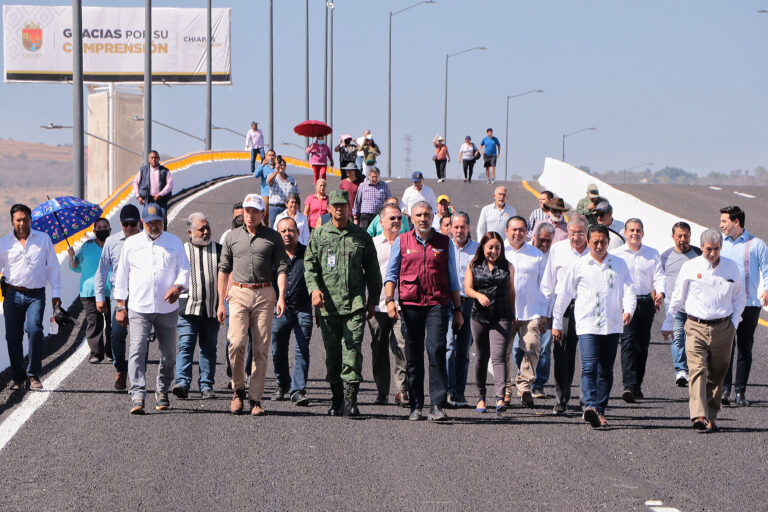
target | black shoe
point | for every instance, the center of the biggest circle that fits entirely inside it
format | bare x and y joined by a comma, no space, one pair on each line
180,391
416,415
726,399
628,396
740,401
300,398
207,394
279,395
162,402
436,413
639,394
527,399
337,400
350,400
559,408
94,359
590,416
381,400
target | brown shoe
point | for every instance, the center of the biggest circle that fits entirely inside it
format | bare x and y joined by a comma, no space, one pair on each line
256,409
35,384
121,381
236,405
401,399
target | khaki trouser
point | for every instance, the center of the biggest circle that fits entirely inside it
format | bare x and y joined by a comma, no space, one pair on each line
708,349
529,340
254,309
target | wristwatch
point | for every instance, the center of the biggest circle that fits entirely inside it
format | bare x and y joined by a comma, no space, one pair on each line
179,287
388,300
456,309
120,308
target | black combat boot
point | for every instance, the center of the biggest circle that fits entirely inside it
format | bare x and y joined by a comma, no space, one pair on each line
337,400
350,399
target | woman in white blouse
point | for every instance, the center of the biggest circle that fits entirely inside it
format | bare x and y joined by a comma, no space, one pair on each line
467,155
292,211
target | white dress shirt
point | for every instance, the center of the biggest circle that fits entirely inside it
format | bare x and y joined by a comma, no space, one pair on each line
707,293
529,269
494,219
463,256
30,266
603,293
302,223
560,255
412,196
383,250
148,269
645,268
254,139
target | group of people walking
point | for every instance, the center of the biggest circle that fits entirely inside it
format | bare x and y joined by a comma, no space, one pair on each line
527,294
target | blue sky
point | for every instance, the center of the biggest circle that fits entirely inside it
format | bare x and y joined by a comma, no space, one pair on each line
675,83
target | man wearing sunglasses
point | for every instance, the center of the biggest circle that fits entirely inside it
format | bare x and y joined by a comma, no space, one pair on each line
110,257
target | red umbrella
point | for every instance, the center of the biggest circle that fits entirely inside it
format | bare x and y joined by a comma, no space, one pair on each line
312,129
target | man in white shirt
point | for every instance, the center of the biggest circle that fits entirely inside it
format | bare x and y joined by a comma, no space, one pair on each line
543,236
529,305
563,254
386,332
494,216
601,286
459,344
254,142
711,291
27,262
644,265
417,192
153,270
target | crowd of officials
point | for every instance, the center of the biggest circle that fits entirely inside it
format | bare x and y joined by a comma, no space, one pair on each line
526,293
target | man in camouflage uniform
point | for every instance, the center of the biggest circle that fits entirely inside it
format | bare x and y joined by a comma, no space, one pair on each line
339,264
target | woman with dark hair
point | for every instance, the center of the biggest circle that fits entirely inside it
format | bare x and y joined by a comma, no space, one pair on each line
489,280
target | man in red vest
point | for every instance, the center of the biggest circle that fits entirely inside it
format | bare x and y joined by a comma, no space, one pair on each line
423,263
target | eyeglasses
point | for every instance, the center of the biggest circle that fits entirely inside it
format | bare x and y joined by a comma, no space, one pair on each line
577,233
130,223
396,217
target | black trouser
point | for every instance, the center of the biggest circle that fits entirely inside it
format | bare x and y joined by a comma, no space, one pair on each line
564,356
440,168
468,165
98,328
745,338
365,219
634,344
434,321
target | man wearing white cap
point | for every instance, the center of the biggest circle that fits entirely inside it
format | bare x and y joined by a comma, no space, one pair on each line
153,270
252,254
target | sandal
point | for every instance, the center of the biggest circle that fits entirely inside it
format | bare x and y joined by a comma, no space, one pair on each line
500,405
480,406
603,421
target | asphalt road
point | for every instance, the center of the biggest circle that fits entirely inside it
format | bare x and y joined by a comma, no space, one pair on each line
83,451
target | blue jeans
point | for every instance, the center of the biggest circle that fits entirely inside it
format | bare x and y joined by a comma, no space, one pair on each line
543,366
204,331
598,353
117,339
359,163
24,313
301,324
254,152
457,351
678,343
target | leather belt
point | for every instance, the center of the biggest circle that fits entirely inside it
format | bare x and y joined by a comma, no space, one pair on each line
251,286
647,296
709,322
22,289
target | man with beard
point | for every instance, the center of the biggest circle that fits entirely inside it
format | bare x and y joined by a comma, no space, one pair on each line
197,318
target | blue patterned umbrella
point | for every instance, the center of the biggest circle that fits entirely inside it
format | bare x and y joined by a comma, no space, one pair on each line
62,217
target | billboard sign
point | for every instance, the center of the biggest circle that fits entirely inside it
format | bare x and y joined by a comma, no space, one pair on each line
37,45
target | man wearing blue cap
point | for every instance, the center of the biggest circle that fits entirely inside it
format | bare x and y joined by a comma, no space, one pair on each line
153,270
417,192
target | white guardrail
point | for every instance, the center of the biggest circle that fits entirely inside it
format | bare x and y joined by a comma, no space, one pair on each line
188,172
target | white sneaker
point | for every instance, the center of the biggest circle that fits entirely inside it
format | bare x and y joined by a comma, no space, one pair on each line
681,378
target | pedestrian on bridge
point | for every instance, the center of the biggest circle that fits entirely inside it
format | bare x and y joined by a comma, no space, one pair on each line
316,205
153,270
340,266
252,257
268,167
711,291
292,211
154,184
319,156
27,262
371,196
281,186
254,142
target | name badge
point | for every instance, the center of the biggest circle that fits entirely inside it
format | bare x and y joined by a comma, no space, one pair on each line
331,260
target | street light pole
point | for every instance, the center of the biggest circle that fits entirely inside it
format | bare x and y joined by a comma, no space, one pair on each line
147,77
271,84
137,118
208,78
389,84
506,131
574,133
330,76
78,142
52,126
445,98
306,65
325,69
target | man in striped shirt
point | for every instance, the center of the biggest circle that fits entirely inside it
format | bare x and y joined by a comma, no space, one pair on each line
371,195
541,213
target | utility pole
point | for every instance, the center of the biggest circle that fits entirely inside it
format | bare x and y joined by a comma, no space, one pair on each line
306,66
408,150
271,84
147,77
208,79
78,125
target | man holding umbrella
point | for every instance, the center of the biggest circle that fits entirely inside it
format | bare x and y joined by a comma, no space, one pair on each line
27,262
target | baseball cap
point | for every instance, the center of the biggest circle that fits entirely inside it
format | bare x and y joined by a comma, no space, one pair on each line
152,211
604,207
254,201
129,213
592,190
443,196
338,197
416,176
254,122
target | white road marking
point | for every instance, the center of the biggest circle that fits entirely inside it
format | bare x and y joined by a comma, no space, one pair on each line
658,506
178,207
743,194
715,188
35,399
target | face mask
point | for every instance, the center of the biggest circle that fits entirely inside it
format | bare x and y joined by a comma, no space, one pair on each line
320,141
101,234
